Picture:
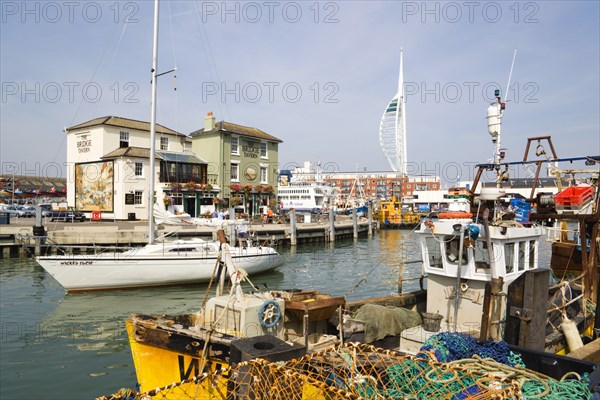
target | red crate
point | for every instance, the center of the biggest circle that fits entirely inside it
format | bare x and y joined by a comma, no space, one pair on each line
574,196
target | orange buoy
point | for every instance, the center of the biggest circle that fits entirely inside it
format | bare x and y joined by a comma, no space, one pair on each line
455,215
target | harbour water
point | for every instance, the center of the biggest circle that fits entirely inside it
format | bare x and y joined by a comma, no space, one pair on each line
74,346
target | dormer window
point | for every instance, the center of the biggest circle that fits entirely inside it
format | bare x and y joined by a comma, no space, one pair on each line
123,139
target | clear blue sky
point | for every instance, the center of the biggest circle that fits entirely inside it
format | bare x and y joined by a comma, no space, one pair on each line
318,75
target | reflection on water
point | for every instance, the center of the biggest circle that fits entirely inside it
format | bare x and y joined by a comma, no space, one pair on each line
75,345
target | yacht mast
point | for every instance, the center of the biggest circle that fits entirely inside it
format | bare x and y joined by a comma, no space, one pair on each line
152,176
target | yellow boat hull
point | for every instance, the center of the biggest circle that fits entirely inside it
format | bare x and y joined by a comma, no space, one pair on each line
157,367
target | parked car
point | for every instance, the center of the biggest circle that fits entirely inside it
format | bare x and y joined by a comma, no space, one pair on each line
16,211
67,216
29,211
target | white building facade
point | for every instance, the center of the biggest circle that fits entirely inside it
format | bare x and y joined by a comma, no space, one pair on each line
108,166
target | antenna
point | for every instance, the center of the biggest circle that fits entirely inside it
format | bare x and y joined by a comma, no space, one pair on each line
510,75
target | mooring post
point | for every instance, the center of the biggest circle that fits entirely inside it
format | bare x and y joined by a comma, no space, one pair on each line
232,228
355,222
331,225
370,214
293,240
39,233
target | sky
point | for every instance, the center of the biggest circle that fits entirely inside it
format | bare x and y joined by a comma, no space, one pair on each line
317,75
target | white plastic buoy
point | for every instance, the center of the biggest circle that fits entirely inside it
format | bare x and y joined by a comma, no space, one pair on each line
569,328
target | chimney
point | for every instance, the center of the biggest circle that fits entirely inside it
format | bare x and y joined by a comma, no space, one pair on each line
209,122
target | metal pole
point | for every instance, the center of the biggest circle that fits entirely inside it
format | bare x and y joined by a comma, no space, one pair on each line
457,288
153,127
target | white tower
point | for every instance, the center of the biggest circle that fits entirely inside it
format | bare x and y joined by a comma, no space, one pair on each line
392,130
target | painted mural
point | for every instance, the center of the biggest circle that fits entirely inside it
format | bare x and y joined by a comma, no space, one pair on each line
94,186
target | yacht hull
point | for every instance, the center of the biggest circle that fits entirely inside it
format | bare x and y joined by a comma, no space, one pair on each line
126,270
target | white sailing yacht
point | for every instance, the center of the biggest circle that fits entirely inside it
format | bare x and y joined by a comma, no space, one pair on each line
156,264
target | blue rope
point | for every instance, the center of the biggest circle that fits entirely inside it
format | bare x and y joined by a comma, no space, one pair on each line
448,346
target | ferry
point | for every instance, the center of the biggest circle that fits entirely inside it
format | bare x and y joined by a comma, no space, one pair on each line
303,196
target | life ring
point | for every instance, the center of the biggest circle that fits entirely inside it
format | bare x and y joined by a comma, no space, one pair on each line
96,215
269,314
455,215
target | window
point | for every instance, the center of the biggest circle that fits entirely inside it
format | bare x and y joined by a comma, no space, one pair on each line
521,259
235,148
481,255
139,168
138,196
263,174
263,150
164,143
123,139
509,257
177,198
235,169
452,251
434,252
532,254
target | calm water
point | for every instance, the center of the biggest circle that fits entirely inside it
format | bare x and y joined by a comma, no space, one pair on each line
59,346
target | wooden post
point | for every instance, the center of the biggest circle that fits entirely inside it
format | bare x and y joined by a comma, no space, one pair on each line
527,309
341,319
331,225
305,329
355,223
370,214
293,239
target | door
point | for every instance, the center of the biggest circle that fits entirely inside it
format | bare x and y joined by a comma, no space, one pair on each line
190,206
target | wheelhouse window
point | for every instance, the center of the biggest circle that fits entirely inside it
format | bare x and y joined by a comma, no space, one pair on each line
434,252
522,253
138,197
235,145
123,139
139,169
482,257
164,143
532,253
509,257
452,251
263,150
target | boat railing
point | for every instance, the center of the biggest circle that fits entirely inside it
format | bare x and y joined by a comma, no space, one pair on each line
28,241
562,235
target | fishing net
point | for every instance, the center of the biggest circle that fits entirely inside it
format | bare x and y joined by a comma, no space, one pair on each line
358,371
448,347
351,371
497,359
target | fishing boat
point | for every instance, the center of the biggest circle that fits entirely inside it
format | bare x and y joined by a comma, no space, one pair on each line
392,214
484,276
157,263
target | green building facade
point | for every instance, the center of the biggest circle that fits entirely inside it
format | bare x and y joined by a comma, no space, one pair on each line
242,163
